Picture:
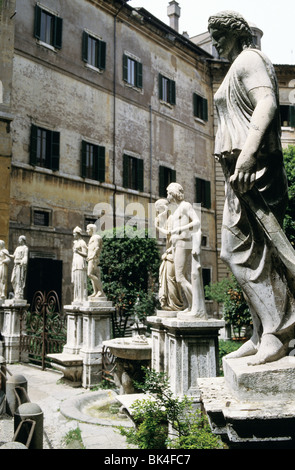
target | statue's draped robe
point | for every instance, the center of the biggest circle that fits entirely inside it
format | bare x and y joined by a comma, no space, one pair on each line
267,285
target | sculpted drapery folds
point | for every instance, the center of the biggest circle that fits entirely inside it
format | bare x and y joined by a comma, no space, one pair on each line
249,150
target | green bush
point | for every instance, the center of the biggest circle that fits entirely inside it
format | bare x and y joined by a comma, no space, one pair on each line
189,429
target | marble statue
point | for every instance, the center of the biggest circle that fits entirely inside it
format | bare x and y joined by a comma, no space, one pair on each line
94,250
79,267
19,273
4,261
248,148
170,296
185,239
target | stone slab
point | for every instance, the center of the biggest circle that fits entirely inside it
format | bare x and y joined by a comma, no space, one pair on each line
260,382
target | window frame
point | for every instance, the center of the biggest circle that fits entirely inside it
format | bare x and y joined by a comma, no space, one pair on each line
55,40
44,148
290,113
200,107
167,90
167,175
96,170
203,192
99,54
132,64
133,173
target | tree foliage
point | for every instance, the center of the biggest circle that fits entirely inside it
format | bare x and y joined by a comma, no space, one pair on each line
129,264
289,224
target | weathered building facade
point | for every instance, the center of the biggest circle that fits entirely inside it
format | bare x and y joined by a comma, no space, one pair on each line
109,105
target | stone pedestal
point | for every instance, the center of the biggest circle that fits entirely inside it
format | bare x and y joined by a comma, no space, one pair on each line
185,351
88,325
11,311
252,406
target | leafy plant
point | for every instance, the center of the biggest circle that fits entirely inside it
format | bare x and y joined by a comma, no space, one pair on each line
235,309
130,269
289,225
189,429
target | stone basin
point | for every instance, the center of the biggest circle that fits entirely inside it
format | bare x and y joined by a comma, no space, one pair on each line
133,348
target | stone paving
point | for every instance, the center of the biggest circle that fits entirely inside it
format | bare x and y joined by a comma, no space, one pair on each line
47,390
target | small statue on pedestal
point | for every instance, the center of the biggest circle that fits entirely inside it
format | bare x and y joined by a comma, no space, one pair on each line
79,267
4,261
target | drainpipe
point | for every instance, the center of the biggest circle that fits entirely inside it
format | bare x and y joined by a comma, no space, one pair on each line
114,112
151,153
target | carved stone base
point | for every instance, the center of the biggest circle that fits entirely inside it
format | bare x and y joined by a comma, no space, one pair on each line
71,365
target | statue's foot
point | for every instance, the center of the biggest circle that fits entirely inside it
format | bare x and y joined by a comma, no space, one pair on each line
270,349
247,349
100,294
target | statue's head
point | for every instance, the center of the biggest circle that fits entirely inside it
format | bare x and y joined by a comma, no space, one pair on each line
2,244
91,229
234,26
77,232
22,240
175,191
161,205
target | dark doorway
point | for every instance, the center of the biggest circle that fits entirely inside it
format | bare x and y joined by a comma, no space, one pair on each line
44,275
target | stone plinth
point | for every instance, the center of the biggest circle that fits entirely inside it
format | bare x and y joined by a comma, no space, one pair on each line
97,327
88,325
252,406
11,311
189,350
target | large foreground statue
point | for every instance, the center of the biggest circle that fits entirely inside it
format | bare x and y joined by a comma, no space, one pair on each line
249,150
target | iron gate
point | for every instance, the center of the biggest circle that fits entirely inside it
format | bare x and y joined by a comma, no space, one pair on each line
42,329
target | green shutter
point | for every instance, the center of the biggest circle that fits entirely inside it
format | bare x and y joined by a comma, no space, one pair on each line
198,190
33,145
292,115
162,185
125,68
172,90
139,74
173,176
83,159
160,86
101,164
205,110
85,46
55,138
101,55
195,104
125,171
37,23
57,38
140,176
207,202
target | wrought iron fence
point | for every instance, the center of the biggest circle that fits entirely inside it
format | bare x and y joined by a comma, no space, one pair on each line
42,329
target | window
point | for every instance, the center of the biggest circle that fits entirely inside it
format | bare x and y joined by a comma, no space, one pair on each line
93,51
41,217
200,107
132,173
44,150
132,71
93,161
48,27
167,91
203,193
166,176
287,115
206,275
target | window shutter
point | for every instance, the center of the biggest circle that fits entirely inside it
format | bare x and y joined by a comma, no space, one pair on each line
37,24
160,86
101,164
83,159
173,176
57,38
33,145
101,55
195,104
292,116
205,110
207,202
140,184
172,92
139,74
85,46
162,188
125,170
125,68
199,190
54,150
